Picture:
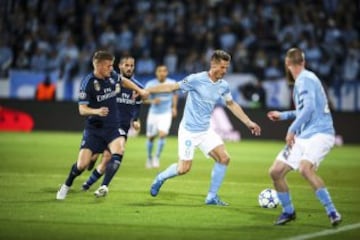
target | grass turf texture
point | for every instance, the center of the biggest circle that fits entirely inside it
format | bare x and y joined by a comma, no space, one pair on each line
34,165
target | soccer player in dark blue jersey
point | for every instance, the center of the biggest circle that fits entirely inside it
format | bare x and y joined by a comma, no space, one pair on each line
128,103
97,101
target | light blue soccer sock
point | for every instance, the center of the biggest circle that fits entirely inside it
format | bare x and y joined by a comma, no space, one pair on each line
93,178
324,196
285,200
149,147
217,177
170,172
161,143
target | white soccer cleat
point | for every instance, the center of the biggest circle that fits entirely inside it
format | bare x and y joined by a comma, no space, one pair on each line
61,194
101,191
156,162
148,164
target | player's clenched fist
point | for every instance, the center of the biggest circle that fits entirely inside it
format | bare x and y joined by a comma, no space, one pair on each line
274,115
103,111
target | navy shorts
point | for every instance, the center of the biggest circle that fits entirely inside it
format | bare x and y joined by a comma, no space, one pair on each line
97,140
124,129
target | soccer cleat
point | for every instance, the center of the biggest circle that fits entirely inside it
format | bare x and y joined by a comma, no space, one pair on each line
149,163
285,218
216,201
85,187
61,194
156,162
335,218
101,191
155,187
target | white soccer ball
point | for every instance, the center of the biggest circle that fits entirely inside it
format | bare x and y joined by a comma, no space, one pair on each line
268,198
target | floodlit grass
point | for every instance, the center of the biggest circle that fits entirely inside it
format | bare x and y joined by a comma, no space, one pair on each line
33,166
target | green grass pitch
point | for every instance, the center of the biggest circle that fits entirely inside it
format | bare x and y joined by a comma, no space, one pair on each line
33,165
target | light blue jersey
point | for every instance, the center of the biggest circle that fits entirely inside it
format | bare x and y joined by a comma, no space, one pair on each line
312,114
202,96
165,98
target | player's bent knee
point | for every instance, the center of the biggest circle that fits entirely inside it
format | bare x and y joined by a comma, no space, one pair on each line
184,167
306,172
275,173
225,160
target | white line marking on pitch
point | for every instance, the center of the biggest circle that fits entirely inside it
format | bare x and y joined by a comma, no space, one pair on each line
325,232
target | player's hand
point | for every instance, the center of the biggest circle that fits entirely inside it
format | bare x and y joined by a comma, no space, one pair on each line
254,128
136,125
103,111
290,139
144,93
135,94
174,112
274,115
156,101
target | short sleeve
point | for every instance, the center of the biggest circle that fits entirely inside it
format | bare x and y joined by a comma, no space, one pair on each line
187,84
227,96
114,75
84,94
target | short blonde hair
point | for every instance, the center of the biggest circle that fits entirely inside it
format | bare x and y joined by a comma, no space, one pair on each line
295,55
100,56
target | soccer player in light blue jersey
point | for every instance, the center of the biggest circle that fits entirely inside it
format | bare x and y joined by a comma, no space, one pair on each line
309,138
204,90
163,108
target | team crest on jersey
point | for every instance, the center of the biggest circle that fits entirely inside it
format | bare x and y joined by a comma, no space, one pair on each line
112,81
97,85
117,87
82,95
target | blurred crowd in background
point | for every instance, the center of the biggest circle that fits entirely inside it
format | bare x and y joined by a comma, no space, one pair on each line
47,35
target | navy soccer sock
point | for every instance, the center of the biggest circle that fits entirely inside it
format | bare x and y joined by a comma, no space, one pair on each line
112,168
93,178
74,172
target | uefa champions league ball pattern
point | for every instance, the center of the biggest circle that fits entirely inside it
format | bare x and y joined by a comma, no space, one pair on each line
268,198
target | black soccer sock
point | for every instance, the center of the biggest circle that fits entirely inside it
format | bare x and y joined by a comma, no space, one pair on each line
112,168
74,172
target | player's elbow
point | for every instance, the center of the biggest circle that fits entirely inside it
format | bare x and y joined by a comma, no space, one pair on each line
82,111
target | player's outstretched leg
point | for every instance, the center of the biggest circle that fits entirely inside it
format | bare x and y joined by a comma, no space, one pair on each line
149,148
74,172
111,169
159,180
217,177
324,197
160,147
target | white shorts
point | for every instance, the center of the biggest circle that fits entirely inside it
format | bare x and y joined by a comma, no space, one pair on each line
312,149
158,122
188,141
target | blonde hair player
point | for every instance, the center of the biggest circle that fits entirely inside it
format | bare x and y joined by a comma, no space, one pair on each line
204,90
309,138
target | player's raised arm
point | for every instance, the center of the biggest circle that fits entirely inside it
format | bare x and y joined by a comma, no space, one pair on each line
166,87
130,85
278,116
241,115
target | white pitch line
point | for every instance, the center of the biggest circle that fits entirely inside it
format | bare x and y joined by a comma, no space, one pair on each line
325,232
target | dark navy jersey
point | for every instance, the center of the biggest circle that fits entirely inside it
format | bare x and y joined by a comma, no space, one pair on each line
128,104
96,93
